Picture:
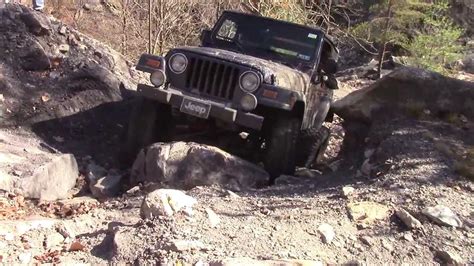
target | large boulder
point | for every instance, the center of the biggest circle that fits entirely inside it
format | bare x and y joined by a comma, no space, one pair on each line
187,164
29,169
408,91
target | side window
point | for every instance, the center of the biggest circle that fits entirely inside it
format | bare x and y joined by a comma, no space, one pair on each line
227,30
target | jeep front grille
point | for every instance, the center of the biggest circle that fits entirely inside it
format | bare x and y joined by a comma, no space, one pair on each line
212,78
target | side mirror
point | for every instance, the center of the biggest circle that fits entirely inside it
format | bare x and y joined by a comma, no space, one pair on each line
206,37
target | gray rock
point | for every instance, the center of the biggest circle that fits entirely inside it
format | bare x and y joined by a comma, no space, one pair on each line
367,240
65,230
186,245
468,63
327,233
64,48
187,165
232,194
366,168
442,215
72,40
37,23
166,202
347,191
95,172
408,219
108,186
406,91
53,239
387,245
287,180
408,237
25,258
214,219
53,180
62,30
255,262
461,11
133,190
449,257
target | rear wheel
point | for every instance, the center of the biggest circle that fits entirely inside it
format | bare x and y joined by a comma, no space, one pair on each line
149,122
280,144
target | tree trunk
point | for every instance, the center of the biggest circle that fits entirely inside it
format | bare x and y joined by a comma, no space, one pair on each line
124,27
383,47
150,37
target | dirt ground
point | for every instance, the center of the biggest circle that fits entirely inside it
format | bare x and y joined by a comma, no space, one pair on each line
410,171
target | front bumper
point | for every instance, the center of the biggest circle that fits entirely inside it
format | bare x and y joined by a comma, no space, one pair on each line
218,110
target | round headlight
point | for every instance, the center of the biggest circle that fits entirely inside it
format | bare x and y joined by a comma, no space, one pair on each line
248,102
249,81
178,63
158,78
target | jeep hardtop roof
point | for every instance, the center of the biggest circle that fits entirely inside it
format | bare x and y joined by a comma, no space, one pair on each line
329,48
319,30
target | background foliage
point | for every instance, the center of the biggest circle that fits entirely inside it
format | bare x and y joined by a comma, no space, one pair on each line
419,30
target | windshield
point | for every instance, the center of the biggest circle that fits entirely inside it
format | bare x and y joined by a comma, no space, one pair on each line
260,37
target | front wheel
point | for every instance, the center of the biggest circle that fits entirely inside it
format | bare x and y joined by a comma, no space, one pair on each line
149,122
280,144
312,144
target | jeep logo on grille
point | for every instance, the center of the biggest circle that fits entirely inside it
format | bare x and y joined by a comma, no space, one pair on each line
195,108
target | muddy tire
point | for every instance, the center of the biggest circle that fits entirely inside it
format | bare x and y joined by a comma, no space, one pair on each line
312,144
149,122
280,147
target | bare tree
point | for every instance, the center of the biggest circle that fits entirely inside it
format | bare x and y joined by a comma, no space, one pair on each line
385,40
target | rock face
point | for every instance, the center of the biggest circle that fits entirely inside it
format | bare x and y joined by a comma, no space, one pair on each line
37,23
187,165
408,91
35,59
34,41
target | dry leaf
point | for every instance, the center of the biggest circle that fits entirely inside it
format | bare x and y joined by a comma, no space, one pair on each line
76,246
49,257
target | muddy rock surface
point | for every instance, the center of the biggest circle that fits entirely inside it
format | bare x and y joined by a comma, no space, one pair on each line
187,165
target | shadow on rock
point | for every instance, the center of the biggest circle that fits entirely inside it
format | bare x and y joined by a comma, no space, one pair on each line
95,132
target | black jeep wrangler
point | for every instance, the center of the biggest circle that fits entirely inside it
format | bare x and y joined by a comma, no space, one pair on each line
269,78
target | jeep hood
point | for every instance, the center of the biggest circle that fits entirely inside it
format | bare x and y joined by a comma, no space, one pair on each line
284,76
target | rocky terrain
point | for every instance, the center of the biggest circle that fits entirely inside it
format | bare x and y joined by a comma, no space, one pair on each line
397,186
